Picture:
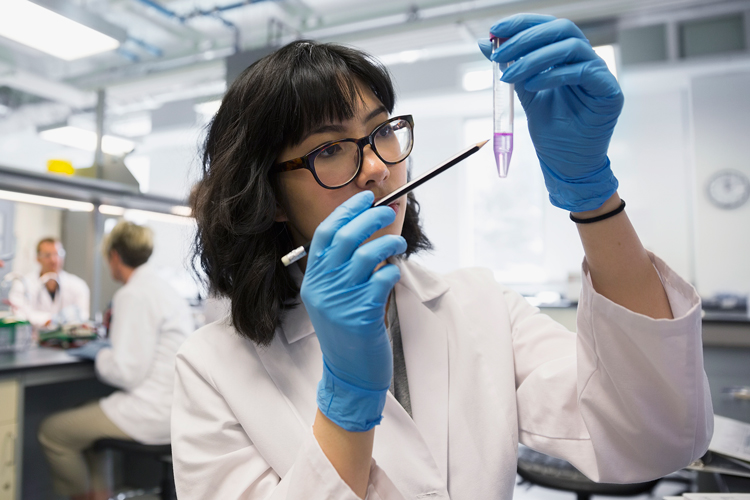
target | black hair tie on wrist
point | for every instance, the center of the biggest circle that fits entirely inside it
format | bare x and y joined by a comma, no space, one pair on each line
600,217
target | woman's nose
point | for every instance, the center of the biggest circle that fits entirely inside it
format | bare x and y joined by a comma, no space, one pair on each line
374,171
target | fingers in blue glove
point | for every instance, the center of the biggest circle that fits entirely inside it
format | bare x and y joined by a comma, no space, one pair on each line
571,50
485,46
384,279
372,253
511,25
593,77
536,37
341,216
355,232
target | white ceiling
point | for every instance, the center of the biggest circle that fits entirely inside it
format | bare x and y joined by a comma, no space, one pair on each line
176,48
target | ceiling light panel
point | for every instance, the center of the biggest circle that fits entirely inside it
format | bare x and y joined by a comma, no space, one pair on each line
42,29
75,137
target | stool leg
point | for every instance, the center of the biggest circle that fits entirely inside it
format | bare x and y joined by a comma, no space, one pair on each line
108,469
583,496
168,490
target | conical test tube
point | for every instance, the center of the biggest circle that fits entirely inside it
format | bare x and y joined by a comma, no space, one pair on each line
502,94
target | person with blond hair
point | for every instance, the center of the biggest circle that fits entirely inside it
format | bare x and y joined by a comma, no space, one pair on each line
149,323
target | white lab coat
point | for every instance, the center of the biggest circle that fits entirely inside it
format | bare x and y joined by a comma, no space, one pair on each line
31,300
624,400
150,321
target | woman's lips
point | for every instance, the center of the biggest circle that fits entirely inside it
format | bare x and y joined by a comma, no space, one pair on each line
395,206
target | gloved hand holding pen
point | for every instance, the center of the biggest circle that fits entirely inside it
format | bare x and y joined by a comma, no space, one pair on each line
346,299
572,103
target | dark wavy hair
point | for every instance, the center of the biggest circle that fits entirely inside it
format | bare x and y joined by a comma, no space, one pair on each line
271,105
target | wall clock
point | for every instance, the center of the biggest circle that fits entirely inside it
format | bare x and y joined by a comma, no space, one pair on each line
728,189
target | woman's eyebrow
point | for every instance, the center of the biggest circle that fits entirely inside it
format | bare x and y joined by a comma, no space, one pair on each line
377,111
339,128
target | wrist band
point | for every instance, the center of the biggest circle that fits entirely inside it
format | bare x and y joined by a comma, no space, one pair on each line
600,217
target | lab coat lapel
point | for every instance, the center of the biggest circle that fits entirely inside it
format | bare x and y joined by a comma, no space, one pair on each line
295,368
425,343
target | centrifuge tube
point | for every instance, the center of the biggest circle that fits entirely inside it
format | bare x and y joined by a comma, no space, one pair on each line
502,94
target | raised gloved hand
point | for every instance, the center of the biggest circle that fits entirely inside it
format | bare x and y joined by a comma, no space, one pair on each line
90,349
346,302
571,100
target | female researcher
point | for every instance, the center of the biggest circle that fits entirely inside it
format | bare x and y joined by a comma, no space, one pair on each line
302,145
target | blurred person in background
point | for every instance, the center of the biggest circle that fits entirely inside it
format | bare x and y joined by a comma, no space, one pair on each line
50,296
149,323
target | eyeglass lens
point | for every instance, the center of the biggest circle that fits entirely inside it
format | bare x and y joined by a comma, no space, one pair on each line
338,163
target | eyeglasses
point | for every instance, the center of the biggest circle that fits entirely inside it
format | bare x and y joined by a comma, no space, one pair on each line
337,163
48,255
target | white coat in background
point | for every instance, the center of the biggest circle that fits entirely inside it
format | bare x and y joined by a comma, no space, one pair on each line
150,321
31,300
625,399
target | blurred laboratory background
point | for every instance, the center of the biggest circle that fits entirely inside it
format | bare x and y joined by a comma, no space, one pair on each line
105,121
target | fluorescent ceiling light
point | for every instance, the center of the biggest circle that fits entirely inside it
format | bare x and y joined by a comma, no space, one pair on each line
75,206
208,109
75,137
111,210
135,126
50,32
477,80
607,52
182,210
140,216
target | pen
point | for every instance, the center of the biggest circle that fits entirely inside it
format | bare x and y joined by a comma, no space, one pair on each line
300,252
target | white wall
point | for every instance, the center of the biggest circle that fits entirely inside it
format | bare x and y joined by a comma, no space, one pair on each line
721,110
32,223
650,155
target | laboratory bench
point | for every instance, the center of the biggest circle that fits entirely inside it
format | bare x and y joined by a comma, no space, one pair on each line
729,329
33,384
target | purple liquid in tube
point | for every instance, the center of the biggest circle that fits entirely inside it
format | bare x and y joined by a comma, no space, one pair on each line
503,148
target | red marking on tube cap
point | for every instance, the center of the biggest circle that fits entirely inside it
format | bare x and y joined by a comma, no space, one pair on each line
493,37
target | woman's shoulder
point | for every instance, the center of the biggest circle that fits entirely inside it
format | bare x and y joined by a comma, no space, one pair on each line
217,344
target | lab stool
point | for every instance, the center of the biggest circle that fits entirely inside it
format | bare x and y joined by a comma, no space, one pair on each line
543,470
161,452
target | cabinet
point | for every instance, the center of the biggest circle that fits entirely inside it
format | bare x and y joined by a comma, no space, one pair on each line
8,438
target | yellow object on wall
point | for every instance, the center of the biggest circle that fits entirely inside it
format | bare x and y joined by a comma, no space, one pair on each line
60,167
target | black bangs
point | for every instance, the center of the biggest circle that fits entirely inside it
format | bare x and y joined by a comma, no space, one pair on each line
325,84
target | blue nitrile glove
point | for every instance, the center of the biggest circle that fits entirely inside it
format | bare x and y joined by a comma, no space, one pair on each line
90,349
571,100
346,303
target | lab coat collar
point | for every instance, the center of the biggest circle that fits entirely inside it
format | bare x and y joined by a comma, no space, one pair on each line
425,284
139,272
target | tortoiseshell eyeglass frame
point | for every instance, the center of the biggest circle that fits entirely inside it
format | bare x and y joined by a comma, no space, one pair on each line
307,161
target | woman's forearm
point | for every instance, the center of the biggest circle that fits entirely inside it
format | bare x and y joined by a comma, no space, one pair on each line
620,267
350,453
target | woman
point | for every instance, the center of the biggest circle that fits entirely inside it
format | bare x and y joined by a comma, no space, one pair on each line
455,369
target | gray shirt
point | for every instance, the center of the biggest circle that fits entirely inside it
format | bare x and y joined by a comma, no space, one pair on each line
399,384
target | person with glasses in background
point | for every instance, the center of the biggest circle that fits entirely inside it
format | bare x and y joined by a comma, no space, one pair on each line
356,372
51,296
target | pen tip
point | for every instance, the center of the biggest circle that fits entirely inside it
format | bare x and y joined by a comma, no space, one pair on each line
480,144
